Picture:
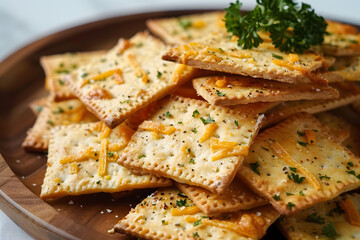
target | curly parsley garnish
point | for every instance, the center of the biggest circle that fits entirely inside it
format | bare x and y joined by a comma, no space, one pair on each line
292,28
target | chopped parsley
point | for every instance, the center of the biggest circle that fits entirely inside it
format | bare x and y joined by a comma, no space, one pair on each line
220,94
180,194
236,123
302,143
159,74
329,230
301,193
141,156
195,113
324,177
168,114
38,108
300,133
98,182
126,101
50,122
163,222
207,120
84,75
192,161
185,23
198,222
293,169
140,44
194,130
276,56
195,234
62,71
289,194
351,164
315,218
59,110
254,166
296,178
290,205
276,197
60,82
110,154
181,202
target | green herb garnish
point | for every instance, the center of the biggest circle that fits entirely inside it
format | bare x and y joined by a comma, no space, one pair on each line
276,197
236,123
185,23
276,56
254,166
315,218
168,114
220,94
207,120
195,113
159,74
198,222
60,82
192,161
292,28
302,143
329,230
290,205
181,202
110,154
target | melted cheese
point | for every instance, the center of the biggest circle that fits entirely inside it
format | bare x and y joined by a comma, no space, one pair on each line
285,156
88,153
352,215
139,72
209,131
228,225
103,157
185,211
220,82
157,127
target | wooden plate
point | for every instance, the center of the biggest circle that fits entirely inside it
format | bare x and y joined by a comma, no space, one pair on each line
21,173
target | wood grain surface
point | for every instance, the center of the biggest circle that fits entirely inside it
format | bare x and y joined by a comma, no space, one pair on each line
21,173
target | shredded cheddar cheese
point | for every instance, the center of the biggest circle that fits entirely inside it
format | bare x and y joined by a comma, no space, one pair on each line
103,157
105,131
216,144
139,72
230,152
220,82
285,156
185,211
209,131
351,214
239,55
104,75
74,168
157,127
88,153
288,65
293,57
77,116
198,24
190,219
228,225
310,136
123,45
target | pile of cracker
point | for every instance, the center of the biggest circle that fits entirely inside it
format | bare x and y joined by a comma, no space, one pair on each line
234,139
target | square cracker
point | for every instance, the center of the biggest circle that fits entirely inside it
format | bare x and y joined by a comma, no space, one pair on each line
217,52
336,126
232,90
344,69
192,142
183,29
309,223
236,197
296,164
349,92
55,114
168,214
82,160
57,67
37,105
131,76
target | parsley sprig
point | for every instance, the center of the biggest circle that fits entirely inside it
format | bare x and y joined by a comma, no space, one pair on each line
292,28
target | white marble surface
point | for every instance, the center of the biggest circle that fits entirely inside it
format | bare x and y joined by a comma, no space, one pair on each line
23,21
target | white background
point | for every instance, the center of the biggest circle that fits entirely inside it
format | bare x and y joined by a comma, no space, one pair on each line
23,21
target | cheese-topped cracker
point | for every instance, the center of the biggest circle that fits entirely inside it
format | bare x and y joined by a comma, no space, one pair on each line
341,44
236,197
335,219
55,114
218,52
37,105
183,29
169,214
344,69
297,164
349,92
232,90
336,126
128,78
82,159
356,106
57,67
192,142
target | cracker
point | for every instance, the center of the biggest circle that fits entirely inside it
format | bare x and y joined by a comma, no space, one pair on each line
55,114
309,224
183,29
232,90
37,105
336,126
163,216
57,67
131,76
349,92
356,106
344,69
341,44
192,142
236,197
82,160
296,164
219,53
